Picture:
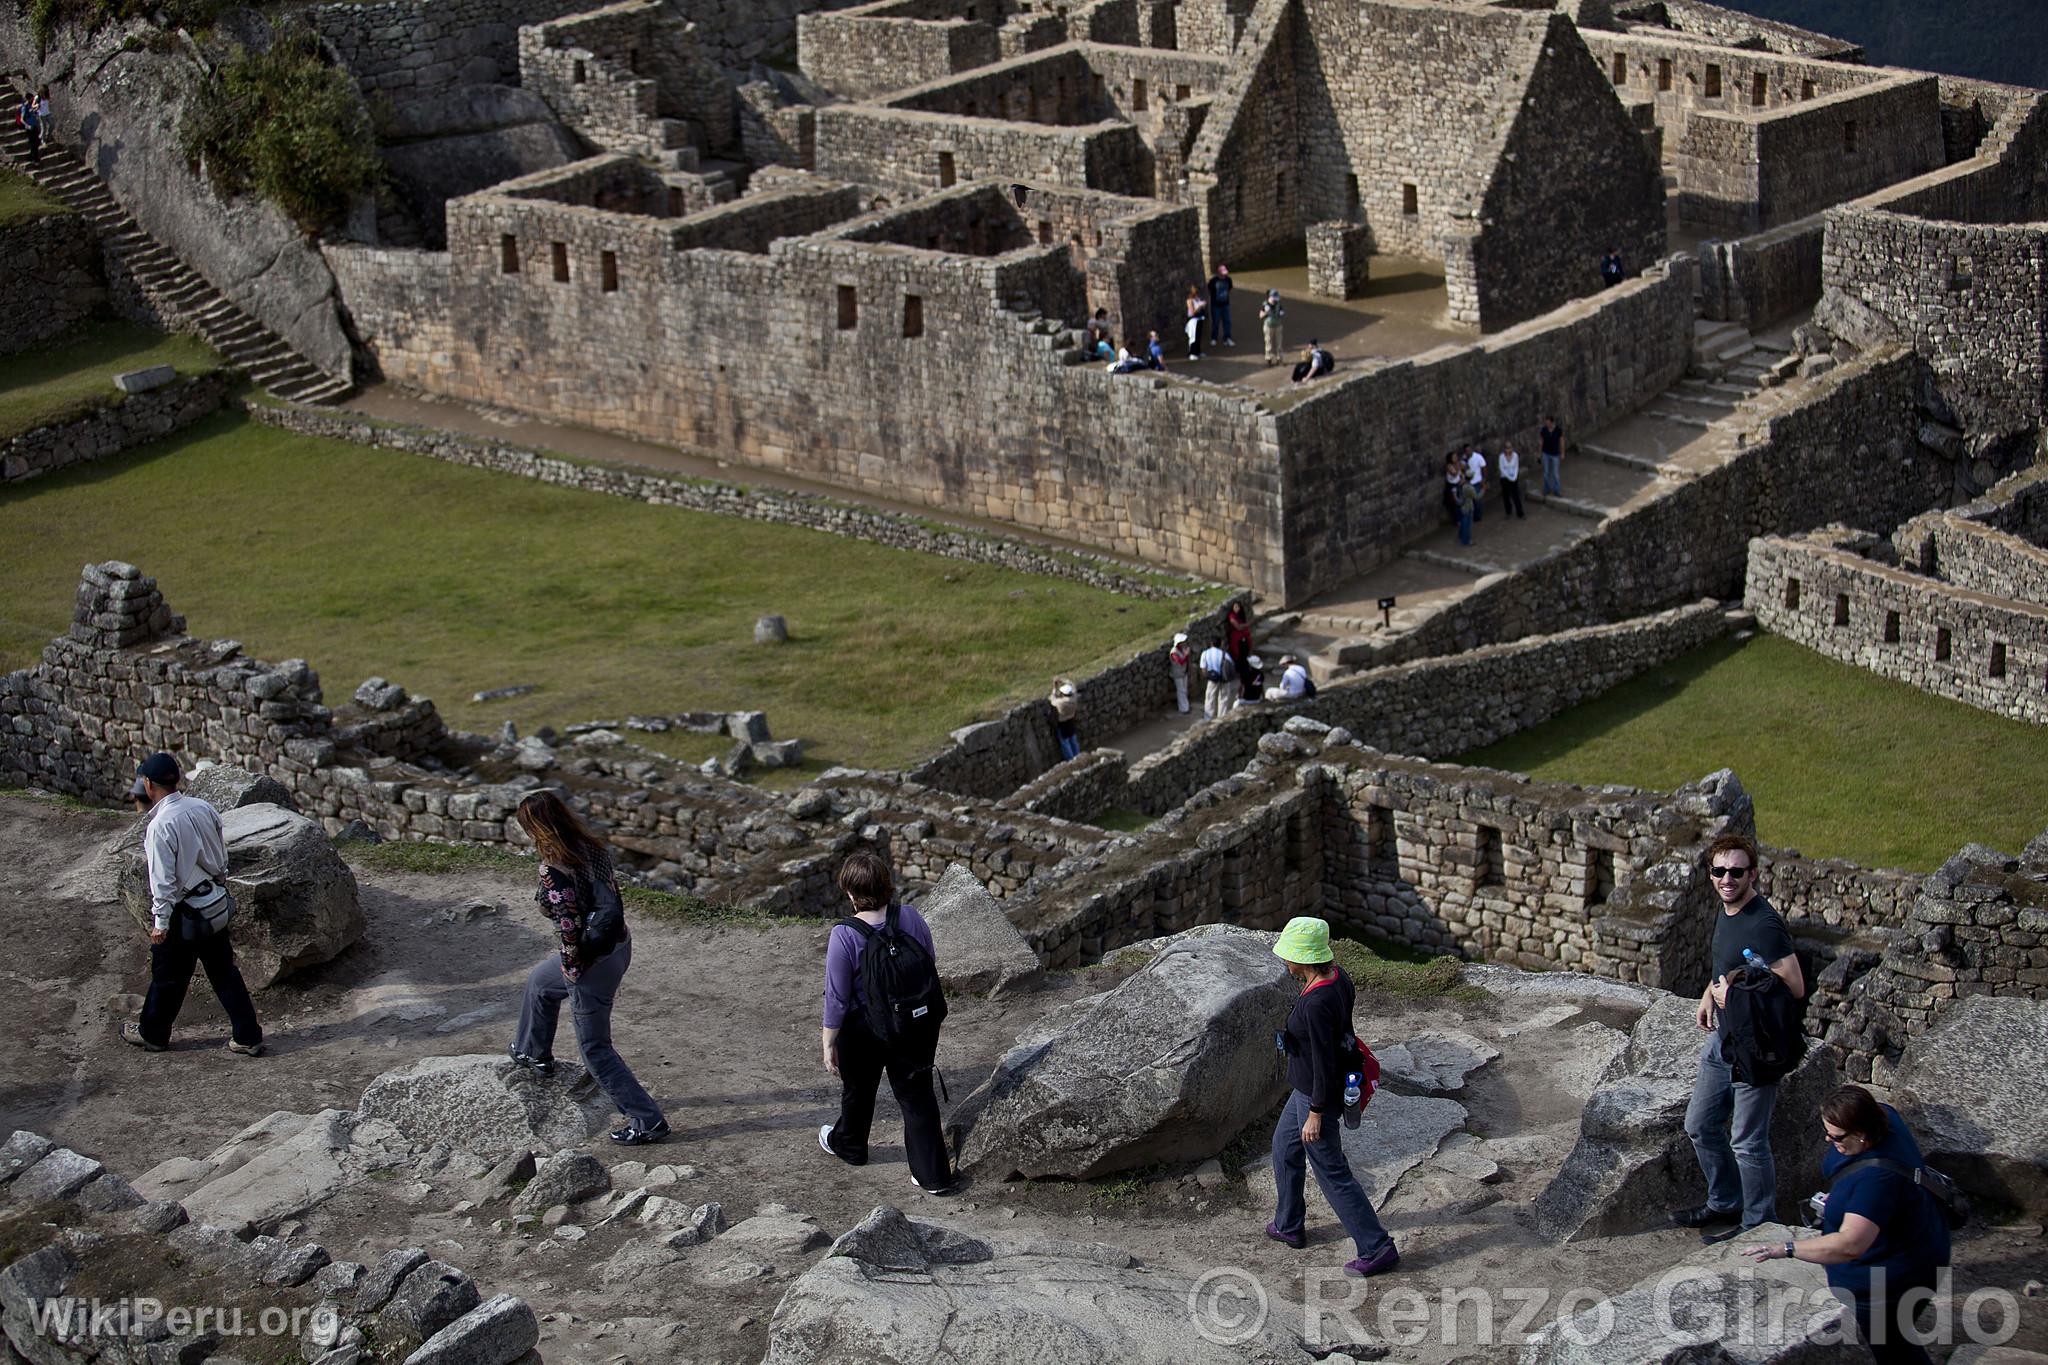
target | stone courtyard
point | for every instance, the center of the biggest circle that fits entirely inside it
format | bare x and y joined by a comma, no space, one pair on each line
830,267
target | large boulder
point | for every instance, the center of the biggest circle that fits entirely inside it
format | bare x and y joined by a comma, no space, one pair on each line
1396,1134
1969,1089
487,1104
897,1292
225,788
1633,1162
282,1180
1714,1306
1165,1067
980,952
296,897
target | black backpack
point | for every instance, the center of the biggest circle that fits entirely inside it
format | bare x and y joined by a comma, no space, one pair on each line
1763,1033
604,915
899,979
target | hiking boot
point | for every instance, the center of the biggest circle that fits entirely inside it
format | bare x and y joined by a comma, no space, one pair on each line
1367,1266
542,1067
1714,1235
1297,1240
1705,1216
131,1032
633,1135
245,1049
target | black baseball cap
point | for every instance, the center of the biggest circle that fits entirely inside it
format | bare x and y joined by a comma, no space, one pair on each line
161,769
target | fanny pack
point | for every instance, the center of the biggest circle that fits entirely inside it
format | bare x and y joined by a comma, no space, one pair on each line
209,907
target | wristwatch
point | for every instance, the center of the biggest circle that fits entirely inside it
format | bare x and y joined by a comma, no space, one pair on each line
1788,1252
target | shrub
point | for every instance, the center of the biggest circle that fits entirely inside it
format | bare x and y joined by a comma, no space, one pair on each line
45,15
289,127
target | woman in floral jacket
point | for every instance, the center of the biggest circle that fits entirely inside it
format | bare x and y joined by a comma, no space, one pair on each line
579,894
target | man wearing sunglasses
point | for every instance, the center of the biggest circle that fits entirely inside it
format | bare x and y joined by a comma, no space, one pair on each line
1729,1121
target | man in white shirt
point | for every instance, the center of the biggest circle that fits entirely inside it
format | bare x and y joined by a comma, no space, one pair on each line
188,868
1294,684
1510,462
1475,474
1219,683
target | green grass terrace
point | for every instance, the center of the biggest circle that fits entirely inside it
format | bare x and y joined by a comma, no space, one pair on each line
453,581
73,376
1841,763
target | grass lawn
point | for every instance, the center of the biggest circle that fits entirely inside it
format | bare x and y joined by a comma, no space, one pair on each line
69,377
453,580
1841,763
22,199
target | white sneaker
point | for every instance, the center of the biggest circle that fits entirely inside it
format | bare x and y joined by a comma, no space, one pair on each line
825,1140
920,1184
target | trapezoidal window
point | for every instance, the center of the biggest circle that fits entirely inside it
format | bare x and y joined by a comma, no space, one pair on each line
1599,876
1411,203
1713,85
1663,73
560,252
947,172
1137,96
1621,68
1759,90
1806,89
913,315
1997,669
1849,135
849,308
1353,204
1180,94
508,254
1942,644
675,201
578,75
1382,847
1791,594
1841,609
1493,867
1891,627
608,271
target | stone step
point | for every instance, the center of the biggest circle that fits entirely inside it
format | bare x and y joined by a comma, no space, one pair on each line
1707,394
1626,459
1571,507
1677,418
1478,568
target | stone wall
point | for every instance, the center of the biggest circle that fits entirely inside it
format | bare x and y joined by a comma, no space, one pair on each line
1081,788
1763,279
1435,708
50,278
724,499
1989,652
1237,169
134,421
1975,558
1733,28
917,153
617,75
1339,259
1845,452
869,50
1971,298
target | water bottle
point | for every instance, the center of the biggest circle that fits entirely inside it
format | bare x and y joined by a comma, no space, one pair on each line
1753,962
1352,1094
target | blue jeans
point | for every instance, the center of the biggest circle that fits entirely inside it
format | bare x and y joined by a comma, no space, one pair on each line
1730,1127
1070,744
1333,1173
590,1007
1552,484
1219,324
1464,526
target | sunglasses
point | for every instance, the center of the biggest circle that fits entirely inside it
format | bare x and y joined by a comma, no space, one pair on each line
1837,1138
1718,873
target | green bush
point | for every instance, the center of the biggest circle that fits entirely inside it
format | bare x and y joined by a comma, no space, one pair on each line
286,125
45,15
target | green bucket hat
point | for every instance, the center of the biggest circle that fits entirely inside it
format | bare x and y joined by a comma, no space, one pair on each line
1306,939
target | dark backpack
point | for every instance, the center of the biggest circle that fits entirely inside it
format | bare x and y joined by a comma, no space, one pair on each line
1763,1034
1308,689
899,979
604,915
1945,1194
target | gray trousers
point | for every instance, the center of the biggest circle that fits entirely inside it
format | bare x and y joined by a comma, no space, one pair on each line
1730,1127
590,1008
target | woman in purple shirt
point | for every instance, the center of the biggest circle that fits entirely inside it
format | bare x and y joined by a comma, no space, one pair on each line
858,1057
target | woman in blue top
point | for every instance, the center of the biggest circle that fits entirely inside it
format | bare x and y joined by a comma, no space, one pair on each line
1883,1237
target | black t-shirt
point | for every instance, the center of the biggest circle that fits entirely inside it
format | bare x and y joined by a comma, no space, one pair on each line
1553,440
1756,926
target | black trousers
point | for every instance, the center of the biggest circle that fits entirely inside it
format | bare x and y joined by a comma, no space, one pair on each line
170,975
1895,1349
1511,496
862,1060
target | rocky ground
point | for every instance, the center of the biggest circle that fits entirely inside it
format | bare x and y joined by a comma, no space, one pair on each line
720,1020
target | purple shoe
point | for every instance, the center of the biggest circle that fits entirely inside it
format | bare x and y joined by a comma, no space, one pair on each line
1367,1266
1297,1240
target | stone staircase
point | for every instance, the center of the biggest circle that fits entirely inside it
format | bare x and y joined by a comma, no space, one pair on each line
179,295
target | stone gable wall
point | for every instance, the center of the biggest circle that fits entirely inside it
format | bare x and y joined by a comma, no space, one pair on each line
1969,555
1989,652
1237,170
51,279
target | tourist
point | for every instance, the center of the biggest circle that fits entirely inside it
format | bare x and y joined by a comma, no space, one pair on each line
1611,270
190,908
1454,480
29,118
1219,307
1251,675
1066,706
1315,363
1237,635
1125,362
1155,351
1475,475
1468,509
1197,306
1509,463
1098,333
1294,682
1272,318
1177,659
1322,1052
1219,682
579,893
863,1035
1551,437
1884,1236
1729,1121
